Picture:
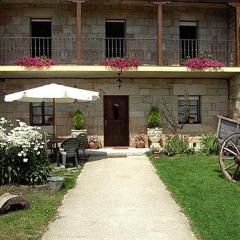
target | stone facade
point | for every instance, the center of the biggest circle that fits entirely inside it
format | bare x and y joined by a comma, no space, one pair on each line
214,24
142,95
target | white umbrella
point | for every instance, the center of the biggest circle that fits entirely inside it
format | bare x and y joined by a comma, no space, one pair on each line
53,93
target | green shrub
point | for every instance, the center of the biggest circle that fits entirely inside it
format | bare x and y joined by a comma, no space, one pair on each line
209,144
78,120
176,145
154,118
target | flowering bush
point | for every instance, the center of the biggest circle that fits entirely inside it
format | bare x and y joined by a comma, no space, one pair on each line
34,62
202,63
121,64
23,156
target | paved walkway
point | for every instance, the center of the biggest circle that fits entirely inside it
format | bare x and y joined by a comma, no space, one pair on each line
119,199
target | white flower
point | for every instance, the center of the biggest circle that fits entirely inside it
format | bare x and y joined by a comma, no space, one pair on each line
38,153
25,160
19,154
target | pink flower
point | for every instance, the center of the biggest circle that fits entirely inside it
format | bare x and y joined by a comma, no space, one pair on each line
121,64
202,64
35,62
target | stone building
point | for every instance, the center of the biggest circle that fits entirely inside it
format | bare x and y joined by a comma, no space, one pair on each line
79,35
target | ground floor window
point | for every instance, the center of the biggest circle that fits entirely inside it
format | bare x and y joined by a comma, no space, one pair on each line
193,108
41,114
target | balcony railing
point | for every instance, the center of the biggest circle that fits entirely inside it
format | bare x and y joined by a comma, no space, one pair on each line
95,50
175,52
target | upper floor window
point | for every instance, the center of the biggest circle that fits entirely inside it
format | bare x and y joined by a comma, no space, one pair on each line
194,110
41,33
188,40
115,38
41,114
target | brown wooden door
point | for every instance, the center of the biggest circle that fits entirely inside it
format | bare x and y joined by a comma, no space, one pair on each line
116,121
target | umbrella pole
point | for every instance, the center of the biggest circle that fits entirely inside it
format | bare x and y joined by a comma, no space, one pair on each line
54,115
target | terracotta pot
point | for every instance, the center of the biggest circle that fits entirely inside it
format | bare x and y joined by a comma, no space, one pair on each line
140,144
93,145
157,154
191,120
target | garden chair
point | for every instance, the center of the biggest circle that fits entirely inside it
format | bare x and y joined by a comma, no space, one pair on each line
83,143
68,150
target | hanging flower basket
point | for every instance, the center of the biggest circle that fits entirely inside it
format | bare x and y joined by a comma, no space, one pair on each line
202,63
34,62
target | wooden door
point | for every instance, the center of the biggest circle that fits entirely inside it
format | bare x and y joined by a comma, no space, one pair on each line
116,121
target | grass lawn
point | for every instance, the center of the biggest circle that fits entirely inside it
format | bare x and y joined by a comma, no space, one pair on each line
211,203
31,223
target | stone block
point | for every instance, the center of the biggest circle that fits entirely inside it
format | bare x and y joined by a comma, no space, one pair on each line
144,91
72,21
68,29
148,99
57,29
136,114
145,107
160,91
193,89
222,91
133,107
135,99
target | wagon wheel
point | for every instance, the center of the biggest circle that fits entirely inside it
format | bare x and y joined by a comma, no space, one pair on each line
230,157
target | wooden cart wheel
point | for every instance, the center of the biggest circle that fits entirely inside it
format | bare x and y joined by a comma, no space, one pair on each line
230,157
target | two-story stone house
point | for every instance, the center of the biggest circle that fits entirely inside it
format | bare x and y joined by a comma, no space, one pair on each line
79,35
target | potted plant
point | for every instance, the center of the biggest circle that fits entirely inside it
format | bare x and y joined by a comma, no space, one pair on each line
156,152
94,142
154,131
191,119
140,141
78,123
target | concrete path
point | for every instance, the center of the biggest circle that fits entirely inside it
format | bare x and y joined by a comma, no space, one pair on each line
119,199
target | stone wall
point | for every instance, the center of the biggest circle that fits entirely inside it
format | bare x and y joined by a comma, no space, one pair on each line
140,20
213,28
143,93
15,22
234,98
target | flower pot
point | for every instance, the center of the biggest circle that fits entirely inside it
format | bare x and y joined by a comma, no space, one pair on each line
93,145
157,154
55,183
191,120
155,135
140,144
75,133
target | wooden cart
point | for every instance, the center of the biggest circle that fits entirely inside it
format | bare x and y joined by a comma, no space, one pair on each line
228,134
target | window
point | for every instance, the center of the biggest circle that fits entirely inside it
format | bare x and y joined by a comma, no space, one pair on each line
194,109
115,112
41,114
188,40
41,34
115,38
